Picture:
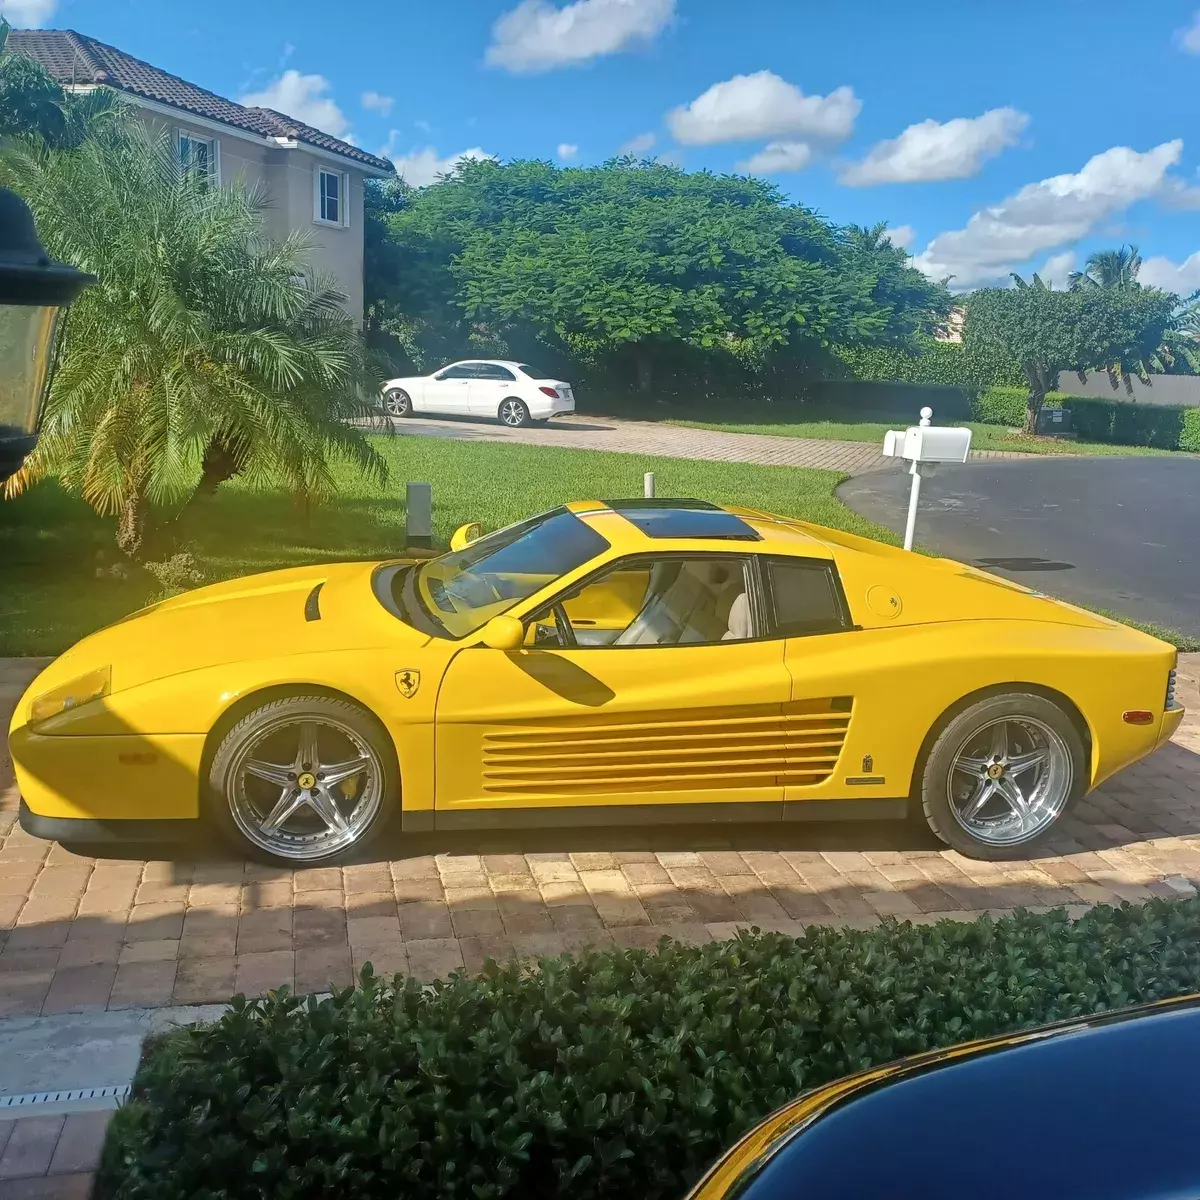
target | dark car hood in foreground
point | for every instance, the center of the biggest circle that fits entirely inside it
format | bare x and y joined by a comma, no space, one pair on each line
1103,1108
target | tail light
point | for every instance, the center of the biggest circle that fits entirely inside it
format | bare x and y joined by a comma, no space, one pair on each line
1170,702
548,391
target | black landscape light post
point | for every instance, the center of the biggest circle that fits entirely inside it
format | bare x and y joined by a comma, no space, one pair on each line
34,290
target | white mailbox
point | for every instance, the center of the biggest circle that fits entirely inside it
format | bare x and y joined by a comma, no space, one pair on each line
923,445
928,444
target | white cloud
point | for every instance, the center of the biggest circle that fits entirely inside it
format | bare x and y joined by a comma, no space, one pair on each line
28,14
303,97
1058,269
1161,272
763,106
374,102
777,157
567,151
670,158
538,36
1189,38
643,143
931,150
423,167
1048,214
902,236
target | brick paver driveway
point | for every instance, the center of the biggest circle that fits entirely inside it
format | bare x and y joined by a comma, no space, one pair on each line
669,441
80,932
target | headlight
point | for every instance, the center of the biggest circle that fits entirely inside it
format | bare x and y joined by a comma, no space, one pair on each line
79,691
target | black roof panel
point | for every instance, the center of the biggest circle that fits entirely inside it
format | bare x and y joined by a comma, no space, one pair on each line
684,519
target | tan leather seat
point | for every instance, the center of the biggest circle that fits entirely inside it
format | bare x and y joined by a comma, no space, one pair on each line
740,627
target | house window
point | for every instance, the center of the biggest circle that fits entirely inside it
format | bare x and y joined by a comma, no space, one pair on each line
332,200
200,156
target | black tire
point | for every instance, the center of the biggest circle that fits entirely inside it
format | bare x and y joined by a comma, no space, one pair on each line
397,403
273,719
1043,719
513,412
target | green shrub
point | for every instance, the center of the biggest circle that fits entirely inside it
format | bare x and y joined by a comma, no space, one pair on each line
1129,423
1189,435
1001,406
617,1073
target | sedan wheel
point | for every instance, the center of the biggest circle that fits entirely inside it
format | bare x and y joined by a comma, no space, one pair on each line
1001,774
514,413
306,779
397,403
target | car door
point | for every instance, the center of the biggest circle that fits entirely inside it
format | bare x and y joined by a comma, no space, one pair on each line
491,384
828,665
673,712
448,391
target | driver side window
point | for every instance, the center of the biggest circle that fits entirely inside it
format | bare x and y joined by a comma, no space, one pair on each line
672,601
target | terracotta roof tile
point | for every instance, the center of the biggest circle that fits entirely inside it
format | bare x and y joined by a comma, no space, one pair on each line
74,58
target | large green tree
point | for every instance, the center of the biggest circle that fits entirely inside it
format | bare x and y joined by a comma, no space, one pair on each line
1048,332
204,351
629,259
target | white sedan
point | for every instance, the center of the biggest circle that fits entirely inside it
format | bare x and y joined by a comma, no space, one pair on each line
515,393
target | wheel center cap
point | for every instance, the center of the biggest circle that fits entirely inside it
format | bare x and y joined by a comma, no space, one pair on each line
996,771
307,780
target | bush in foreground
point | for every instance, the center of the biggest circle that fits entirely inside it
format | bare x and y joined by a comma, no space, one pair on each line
616,1073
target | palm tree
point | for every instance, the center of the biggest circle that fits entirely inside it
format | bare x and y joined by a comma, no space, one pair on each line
1108,268
204,351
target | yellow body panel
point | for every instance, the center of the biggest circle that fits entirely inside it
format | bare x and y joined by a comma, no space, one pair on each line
790,720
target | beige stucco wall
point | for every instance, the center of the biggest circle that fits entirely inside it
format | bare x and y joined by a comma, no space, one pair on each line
289,177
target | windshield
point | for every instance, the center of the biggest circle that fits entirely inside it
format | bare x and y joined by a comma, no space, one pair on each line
465,589
533,372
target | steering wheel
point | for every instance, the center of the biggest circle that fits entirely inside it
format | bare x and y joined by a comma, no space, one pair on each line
566,635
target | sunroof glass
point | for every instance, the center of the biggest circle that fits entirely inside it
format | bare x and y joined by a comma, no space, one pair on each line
695,519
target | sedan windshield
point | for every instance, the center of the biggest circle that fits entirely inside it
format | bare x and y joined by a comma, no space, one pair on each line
465,589
533,372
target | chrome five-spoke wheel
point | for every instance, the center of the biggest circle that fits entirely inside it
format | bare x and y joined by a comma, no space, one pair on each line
1001,773
302,780
1011,779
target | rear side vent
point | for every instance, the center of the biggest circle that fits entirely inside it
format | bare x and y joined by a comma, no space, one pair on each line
312,606
1170,704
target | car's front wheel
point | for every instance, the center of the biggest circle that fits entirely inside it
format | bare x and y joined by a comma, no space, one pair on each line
514,413
1001,773
397,403
303,780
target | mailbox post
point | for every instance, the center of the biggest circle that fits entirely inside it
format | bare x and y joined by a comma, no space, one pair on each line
925,446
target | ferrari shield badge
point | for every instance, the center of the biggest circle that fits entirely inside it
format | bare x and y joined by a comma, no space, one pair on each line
408,682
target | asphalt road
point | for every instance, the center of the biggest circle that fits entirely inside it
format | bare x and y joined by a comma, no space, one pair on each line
1121,534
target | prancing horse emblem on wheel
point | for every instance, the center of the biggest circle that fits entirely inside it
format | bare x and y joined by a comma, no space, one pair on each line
408,682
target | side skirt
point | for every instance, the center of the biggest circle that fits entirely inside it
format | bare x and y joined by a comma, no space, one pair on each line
592,816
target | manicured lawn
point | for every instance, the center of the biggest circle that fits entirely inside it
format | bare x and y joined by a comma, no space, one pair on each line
49,541
837,425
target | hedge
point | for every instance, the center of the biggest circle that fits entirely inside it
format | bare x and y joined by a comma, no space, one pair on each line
618,1073
1126,423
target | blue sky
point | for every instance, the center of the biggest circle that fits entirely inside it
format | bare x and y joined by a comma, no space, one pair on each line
990,136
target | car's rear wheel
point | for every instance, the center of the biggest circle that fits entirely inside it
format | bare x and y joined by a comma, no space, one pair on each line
514,413
1001,773
304,780
397,403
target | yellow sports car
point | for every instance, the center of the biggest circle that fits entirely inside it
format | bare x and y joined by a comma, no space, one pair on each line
640,661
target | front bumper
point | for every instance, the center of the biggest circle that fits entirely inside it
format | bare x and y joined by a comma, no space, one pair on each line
81,829
120,777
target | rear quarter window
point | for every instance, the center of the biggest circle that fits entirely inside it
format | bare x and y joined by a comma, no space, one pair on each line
804,597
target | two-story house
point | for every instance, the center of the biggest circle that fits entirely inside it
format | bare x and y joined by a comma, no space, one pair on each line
315,181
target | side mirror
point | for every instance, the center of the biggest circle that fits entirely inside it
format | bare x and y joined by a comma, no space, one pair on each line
464,535
504,633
